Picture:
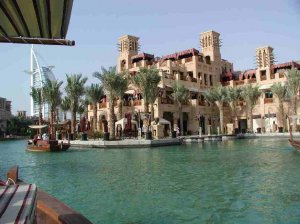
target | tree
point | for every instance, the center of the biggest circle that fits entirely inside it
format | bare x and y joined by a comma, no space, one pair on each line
250,94
146,80
52,96
153,89
75,90
65,106
218,95
293,86
281,92
94,94
180,95
108,78
234,96
37,96
122,83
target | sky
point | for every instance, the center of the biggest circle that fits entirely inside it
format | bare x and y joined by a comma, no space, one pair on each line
164,27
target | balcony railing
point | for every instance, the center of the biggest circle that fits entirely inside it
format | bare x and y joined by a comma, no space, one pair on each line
281,75
137,103
201,103
268,100
272,76
166,101
263,77
239,82
251,80
169,76
103,105
126,103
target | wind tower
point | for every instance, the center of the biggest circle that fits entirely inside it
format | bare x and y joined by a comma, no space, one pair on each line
128,46
264,57
210,44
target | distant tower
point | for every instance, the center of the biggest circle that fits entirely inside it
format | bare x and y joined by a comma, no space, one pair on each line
210,43
38,76
264,57
128,47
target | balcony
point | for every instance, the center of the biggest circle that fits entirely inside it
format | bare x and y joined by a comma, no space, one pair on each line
252,81
137,102
272,76
239,82
201,103
126,103
169,76
263,77
189,59
281,75
102,105
166,101
268,100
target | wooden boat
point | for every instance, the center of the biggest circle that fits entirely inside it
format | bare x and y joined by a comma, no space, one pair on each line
38,145
294,143
47,146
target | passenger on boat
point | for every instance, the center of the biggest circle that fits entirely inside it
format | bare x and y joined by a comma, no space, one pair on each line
35,138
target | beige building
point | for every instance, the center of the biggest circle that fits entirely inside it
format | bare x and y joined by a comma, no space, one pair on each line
198,72
5,113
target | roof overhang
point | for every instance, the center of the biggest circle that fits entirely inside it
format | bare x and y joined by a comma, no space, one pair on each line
35,21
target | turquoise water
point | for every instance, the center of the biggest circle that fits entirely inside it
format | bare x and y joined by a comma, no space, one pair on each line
242,181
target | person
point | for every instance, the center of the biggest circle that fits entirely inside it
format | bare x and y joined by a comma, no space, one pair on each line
39,137
44,136
274,127
35,138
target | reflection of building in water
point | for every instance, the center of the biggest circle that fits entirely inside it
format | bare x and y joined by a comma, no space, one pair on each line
199,71
39,74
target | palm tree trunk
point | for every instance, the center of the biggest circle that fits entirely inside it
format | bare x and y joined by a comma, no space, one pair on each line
294,105
111,118
181,119
281,112
152,112
95,117
65,115
73,122
146,107
221,119
120,109
250,121
40,118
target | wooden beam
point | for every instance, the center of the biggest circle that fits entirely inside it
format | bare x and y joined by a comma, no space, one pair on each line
26,40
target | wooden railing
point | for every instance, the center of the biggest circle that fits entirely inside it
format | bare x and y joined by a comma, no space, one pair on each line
103,105
137,103
166,101
239,82
268,100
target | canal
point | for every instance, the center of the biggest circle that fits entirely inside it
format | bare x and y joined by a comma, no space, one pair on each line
241,181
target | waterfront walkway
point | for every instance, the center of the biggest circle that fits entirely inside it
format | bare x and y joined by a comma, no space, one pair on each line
142,143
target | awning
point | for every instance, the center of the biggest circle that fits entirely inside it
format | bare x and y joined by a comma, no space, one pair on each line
35,21
37,126
265,86
131,91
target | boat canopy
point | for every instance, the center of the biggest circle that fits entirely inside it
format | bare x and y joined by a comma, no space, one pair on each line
37,126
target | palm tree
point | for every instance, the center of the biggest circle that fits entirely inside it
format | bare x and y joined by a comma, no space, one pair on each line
75,90
108,78
234,96
94,94
153,89
65,106
218,95
180,95
122,81
37,96
250,94
52,96
293,87
281,92
146,81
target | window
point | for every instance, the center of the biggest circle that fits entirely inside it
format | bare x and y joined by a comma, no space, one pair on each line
268,95
205,79
210,80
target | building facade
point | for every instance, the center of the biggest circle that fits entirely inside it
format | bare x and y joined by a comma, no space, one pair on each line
198,72
5,113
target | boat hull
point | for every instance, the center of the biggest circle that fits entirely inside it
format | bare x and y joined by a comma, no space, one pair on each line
48,146
295,144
